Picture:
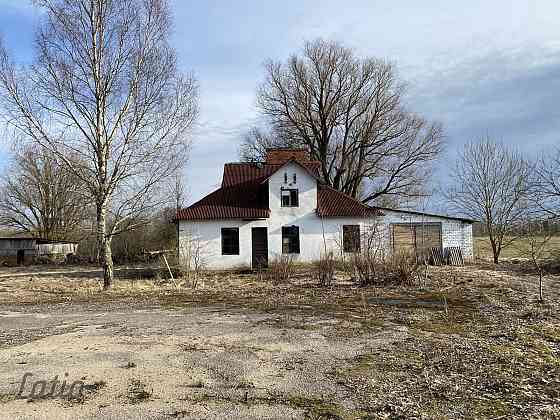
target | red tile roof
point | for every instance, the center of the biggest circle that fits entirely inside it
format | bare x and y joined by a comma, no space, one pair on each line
240,201
333,203
237,173
244,195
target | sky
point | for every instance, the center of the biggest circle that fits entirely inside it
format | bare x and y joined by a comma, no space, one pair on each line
481,68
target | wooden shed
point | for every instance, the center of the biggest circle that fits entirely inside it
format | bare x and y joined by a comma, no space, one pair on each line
25,250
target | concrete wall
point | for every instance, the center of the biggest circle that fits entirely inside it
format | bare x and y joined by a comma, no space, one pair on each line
204,237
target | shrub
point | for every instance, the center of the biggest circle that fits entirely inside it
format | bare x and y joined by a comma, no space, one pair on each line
324,268
364,267
403,268
369,270
281,268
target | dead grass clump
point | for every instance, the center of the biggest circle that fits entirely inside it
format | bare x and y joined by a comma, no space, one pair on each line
323,269
281,269
400,269
137,392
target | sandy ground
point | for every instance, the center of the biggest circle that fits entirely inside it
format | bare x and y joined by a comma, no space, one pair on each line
189,362
245,350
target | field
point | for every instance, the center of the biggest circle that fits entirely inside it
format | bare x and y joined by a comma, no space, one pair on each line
466,342
483,249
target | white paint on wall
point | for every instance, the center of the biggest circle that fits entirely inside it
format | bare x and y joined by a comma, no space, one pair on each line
316,234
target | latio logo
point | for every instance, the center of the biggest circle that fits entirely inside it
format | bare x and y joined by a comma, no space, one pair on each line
31,389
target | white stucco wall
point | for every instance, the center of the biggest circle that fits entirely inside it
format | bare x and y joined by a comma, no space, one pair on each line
208,233
314,231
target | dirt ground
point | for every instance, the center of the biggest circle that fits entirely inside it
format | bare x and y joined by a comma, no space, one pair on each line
469,342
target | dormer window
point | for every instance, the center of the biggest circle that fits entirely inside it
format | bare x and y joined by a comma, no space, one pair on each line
289,197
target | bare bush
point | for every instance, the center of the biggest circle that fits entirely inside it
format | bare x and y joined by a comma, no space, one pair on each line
281,268
192,257
399,269
402,269
324,268
364,268
536,246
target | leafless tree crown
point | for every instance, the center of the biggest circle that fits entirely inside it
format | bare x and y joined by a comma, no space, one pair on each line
349,113
40,197
491,183
547,184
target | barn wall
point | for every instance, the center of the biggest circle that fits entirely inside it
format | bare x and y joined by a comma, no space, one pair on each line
10,247
57,249
453,232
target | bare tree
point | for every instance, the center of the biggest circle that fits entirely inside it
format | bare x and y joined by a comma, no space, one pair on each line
40,196
490,183
535,244
104,88
547,184
350,114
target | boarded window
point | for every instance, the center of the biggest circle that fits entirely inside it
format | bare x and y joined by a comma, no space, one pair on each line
351,238
290,240
230,241
417,238
289,197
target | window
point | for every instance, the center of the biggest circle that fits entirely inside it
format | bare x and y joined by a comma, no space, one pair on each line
285,177
230,241
290,240
289,197
295,178
351,238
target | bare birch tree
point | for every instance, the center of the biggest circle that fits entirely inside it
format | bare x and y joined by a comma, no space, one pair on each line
491,183
105,88
350,114
39,196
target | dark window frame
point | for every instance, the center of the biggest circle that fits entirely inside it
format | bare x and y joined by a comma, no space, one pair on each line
291,234
293,197
230,245
351,241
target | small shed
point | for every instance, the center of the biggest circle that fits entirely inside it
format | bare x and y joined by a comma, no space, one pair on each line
25,250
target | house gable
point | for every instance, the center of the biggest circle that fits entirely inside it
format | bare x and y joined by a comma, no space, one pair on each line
292,177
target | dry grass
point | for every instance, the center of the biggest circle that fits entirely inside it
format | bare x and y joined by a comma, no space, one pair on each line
478,344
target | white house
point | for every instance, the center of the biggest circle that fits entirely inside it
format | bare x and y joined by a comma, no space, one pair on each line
280,206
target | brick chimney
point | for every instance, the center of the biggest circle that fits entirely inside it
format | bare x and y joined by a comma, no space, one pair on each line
280,156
